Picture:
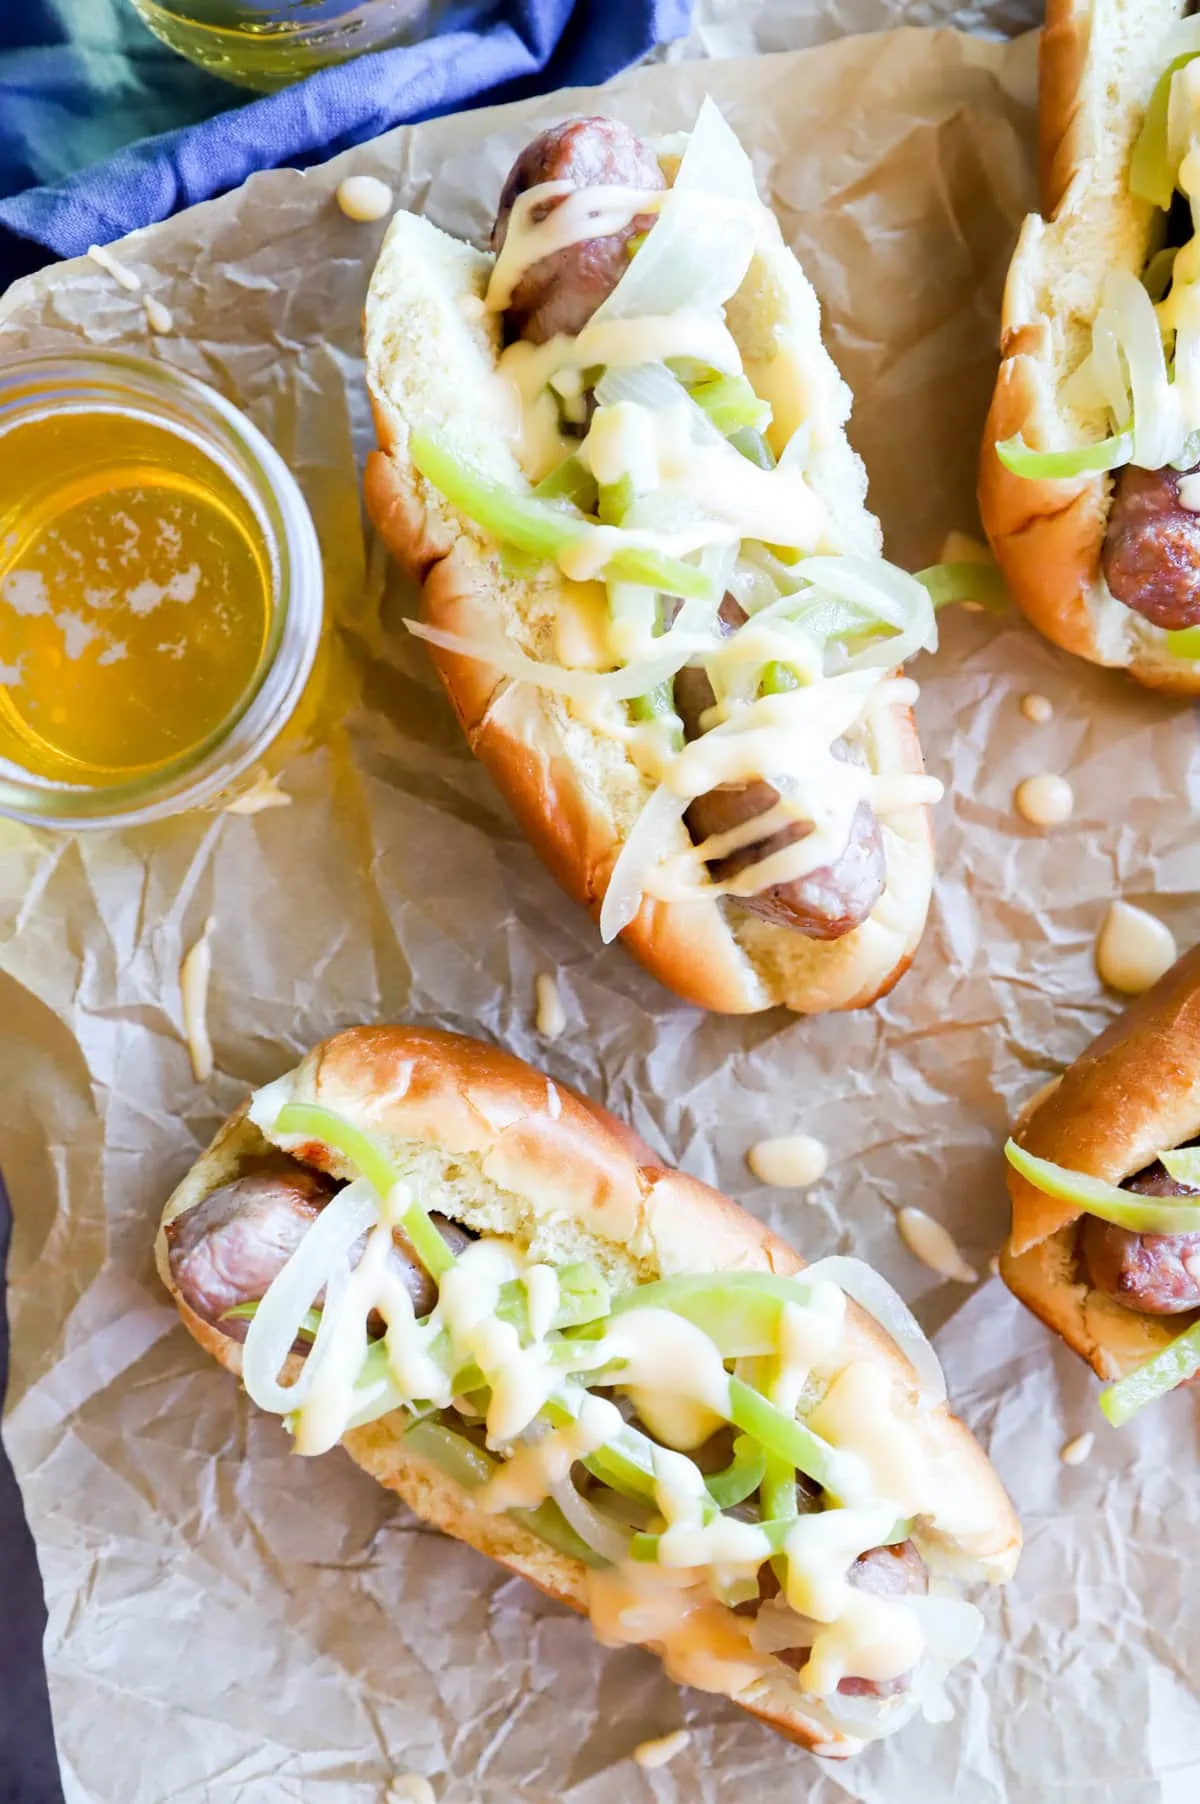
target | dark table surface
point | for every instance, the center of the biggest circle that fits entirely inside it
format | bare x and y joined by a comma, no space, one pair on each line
28,1767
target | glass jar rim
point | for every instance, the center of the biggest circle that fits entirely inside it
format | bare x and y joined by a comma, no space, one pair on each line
120,381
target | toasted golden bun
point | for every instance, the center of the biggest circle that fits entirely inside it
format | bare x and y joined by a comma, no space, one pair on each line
1099,62
506,1151
431,360
1134,1093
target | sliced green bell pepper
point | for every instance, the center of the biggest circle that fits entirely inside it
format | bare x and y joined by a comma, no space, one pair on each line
312,1122
1123,1208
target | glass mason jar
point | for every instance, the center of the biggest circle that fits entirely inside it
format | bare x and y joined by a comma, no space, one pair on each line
102,400
265,44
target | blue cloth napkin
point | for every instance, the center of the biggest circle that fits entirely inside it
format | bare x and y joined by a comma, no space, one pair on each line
28,1766
481,52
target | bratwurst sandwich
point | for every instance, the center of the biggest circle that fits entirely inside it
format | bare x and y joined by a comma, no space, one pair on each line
1090,470
613,453
598,1371
1104,1174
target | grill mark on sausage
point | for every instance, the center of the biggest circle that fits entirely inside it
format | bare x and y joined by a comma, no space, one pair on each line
229,1248
1151,553
824,904
560,293
1154,1274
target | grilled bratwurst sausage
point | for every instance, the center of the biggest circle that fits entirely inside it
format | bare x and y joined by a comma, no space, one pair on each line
230,1247
826,903
1152,1273
1156,1274
561,292
1151,556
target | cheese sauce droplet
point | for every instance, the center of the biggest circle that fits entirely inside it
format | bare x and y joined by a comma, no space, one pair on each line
363,197
792,1162
1045,800
411,1788
264,792
551,1016
1133,949
651,1754
194,974
128,278
1076,1451
158,318
1037,708
1189,493
934,1246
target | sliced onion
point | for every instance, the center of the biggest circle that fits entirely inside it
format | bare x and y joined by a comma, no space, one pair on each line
650,385
1183,39
377,1399
868,1718
1109,370
788,579
1159,152
869,582
1083,389
864,1718
1187,460
843,597
884,1305
717,562
1187,384
590,1524
952,1627
888,596
751,586
648,839
664,511
653,385
678,646
798,450
776,1627
1157,430
320,1262
698,251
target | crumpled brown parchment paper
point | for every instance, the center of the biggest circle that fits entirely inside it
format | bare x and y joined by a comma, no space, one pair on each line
227,1622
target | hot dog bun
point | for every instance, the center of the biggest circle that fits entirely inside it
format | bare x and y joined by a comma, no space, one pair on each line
1099,63
1132,1094
575,792
520,1156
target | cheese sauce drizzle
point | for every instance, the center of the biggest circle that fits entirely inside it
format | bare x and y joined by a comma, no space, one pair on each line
573,215
687,491
495,1317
